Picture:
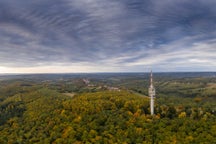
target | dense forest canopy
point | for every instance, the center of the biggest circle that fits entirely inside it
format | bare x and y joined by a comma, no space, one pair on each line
107,108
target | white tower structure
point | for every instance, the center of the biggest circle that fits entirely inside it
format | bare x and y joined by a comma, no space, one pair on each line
151,94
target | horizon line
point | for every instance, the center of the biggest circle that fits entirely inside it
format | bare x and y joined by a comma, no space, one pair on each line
107,72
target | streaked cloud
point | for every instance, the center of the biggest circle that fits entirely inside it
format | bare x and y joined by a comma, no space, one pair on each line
107,35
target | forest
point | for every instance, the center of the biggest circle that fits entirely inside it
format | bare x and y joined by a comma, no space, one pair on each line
107,109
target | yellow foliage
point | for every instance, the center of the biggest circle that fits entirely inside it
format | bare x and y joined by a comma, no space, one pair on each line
138,113
139,131
189,138
77,119
62,112
182,115
148,120
66,131
157,116
15,125
129,113
77,142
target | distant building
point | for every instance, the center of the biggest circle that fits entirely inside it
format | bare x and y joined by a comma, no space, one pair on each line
151,94
113,89
86,81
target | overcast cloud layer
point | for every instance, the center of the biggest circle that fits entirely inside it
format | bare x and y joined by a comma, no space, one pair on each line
107,35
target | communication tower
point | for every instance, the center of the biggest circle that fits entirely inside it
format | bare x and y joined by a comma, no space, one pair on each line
151,94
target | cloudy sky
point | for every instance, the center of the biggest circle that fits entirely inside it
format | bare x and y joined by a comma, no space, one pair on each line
52,36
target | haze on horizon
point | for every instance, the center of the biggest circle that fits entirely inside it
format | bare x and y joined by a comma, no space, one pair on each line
58,36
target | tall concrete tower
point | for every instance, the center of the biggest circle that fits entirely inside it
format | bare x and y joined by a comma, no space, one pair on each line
151,94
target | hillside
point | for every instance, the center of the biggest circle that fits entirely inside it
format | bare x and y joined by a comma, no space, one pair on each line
32,111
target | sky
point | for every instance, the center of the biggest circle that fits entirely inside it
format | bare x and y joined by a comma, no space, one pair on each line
69,36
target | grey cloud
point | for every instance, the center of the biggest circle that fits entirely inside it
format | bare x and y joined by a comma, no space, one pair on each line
100,31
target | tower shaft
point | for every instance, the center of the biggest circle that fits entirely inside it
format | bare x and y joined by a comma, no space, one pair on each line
152,105
151,94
